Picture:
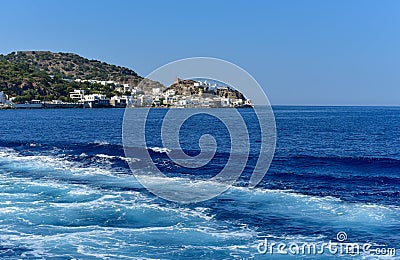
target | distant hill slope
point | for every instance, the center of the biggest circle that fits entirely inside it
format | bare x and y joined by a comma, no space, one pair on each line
48,75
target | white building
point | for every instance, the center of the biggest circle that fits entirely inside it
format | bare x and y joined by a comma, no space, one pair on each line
58,102
169,92
120,101
206,102
102,82
156,91
192,102
171,100
182,102
123,88
237,102
143,100
105,82
225,102
127,88
94,97
96,100
77,94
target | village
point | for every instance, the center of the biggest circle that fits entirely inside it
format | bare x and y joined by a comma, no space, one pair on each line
195,94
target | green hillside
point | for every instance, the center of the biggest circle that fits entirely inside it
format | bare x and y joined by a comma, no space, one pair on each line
46,75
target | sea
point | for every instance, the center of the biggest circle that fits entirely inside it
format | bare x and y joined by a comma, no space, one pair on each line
67,191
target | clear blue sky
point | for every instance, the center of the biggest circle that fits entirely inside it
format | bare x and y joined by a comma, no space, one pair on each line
341,52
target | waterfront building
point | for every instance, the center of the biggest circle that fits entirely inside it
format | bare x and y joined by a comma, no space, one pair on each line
77,94
96,100
225,102
237,102
142,100
120,101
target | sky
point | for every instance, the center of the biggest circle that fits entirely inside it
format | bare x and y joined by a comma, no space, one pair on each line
308,52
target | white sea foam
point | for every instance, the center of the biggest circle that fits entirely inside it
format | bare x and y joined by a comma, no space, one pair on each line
160,149
175,221
101,142
83,191
105,156
34,144
113,157
129,160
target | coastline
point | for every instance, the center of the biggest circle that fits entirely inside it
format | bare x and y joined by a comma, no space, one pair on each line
84,106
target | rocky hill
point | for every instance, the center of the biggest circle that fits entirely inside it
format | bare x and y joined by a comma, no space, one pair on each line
191,87
47,75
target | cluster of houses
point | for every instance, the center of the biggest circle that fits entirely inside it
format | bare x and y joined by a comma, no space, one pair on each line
156,98
136,97
170,98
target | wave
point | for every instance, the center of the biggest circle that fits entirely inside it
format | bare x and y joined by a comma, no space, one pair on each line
69,202
106,156
357,159
97,149
342,170
91,204
159,149
100,142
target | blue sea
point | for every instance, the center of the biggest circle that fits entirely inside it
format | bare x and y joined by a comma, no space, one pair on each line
67,191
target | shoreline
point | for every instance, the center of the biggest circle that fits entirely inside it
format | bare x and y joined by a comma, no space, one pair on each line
44,108
83,106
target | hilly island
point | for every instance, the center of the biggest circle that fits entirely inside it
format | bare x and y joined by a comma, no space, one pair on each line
43,79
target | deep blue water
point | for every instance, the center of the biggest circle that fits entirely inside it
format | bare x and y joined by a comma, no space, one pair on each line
67,191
